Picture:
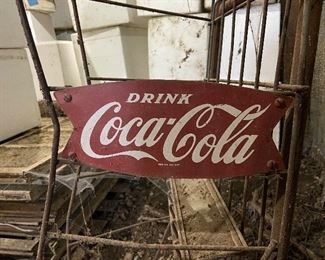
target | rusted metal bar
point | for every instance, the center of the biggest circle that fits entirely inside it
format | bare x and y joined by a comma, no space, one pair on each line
261,45
112,79
55,88
269,250
292,180
298,129
220,40
243,58
84,218
237,5
177,218
138,7
73,194
291,11
219,183
281,179
303,42
81,41
302,60
55,122
229,5
231,54
259,58
108,174
173,229
245,195
212,44
231,184
282,43
215,29
263,210
135,245
289,87
131,226
162,241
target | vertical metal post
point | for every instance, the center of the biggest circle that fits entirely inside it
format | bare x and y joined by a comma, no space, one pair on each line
219,53
298,130
55,122
231,184
245,195
243,58
220,40
81,41
214,28
73,194
231,54
261,45
292,181
263,210
282,42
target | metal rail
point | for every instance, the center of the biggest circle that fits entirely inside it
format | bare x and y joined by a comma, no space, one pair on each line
296,125
297,88
154,10
55,122
131,244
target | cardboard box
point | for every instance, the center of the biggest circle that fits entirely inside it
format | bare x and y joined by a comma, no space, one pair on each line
94,15
52,67
11,30
41,26
69,64
62,18
19,110
114,52
44,6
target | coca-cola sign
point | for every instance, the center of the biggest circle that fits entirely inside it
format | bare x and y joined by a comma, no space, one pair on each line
180,129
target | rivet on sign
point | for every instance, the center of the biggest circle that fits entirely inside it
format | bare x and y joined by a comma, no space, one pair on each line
280,103
271,164
67,97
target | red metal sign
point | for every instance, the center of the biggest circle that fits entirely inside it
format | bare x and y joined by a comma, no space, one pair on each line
181,129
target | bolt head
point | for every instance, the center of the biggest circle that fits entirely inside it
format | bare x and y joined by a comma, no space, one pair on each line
271,164
67,97
280,103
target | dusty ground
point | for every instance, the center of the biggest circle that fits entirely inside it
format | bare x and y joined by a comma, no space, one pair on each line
144,201
309,228
309,220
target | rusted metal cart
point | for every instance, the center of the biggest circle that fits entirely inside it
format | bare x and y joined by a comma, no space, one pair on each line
292,132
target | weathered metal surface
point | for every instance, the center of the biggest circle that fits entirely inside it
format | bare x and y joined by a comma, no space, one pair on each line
173,128
210,76
56,126
289,147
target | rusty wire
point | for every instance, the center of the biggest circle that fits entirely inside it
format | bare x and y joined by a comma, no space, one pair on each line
214,56
135,245
73,194
56,125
